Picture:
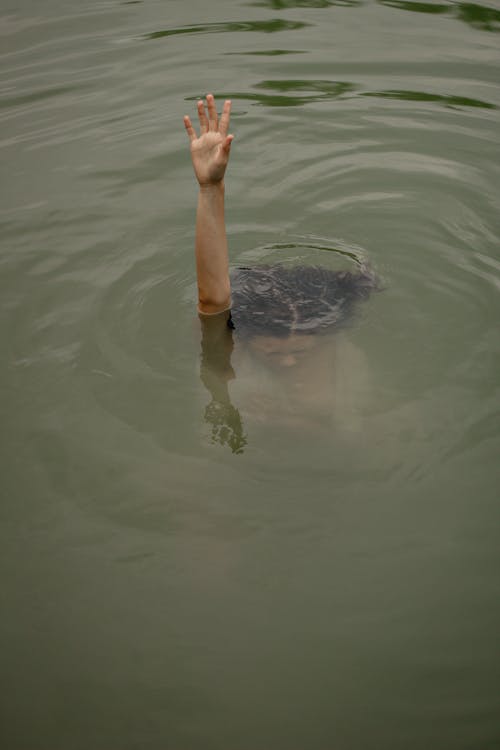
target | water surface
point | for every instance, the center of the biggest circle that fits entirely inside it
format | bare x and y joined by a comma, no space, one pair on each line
315,590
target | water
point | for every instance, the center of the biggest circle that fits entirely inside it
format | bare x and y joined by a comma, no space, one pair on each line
160,591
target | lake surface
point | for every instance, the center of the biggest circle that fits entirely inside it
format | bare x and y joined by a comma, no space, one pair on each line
330,589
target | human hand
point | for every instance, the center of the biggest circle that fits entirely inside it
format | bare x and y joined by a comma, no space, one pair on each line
210,151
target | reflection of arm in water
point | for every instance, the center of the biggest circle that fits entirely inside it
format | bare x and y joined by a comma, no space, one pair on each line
215,373
210,156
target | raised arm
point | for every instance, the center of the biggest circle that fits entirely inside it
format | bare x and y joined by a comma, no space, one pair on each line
210,155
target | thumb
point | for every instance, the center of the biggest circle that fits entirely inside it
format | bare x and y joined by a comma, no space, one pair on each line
227,143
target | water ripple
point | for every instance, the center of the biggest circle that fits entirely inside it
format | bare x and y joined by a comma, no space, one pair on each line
477,16
300,92
286,4
423,96
267,27
269,52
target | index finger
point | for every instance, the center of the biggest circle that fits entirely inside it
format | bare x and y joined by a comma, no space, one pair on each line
224,118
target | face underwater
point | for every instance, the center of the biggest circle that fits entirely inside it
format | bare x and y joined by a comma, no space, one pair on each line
283,352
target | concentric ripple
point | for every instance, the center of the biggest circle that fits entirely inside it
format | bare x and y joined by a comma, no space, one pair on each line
207,553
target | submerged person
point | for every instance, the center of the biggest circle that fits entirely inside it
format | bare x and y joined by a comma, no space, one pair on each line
277,312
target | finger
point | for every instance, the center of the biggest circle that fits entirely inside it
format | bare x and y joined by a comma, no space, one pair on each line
213,121
227,143
202,117
224,118
189,128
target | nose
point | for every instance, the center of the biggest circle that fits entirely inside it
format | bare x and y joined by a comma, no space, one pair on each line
289,360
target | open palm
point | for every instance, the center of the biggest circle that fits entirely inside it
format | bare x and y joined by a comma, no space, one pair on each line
210,151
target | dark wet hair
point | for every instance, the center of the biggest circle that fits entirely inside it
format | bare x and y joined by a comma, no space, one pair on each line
279,300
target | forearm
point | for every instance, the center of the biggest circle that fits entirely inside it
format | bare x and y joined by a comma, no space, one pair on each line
212,264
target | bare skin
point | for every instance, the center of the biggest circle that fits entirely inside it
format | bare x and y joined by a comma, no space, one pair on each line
210,155
284,352
210,152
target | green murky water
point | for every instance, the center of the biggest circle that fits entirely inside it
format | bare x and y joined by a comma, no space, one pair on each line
332,587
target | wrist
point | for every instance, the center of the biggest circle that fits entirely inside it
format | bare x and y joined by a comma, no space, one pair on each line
212,187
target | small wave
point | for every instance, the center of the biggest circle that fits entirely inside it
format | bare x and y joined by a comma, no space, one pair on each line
299,92
267,27
286,4
478,16
270,52
303,249
424,96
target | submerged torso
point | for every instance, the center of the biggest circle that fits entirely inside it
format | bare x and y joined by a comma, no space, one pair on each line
275,363
321,393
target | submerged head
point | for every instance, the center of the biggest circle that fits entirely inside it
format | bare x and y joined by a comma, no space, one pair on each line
280,311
